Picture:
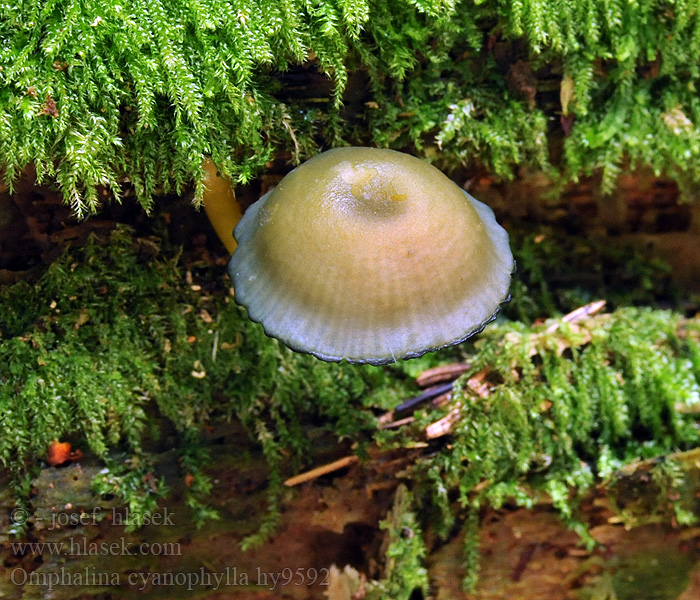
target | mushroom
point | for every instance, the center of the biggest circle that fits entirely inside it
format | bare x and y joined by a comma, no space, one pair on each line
370,255
220,204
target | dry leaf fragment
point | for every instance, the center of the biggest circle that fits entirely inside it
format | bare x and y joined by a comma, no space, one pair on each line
345,584
198,372
477,384
677,121
59,453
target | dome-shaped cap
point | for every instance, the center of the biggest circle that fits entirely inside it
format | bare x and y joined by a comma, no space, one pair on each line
370,255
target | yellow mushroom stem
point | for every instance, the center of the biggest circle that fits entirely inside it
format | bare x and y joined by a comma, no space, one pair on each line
220,205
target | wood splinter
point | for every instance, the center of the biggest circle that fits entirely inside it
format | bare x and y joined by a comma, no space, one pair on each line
578,314
444,425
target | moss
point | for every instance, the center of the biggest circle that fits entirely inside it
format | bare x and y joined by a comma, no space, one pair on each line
664,569
558,271
566,410
112,344
404,550
100,93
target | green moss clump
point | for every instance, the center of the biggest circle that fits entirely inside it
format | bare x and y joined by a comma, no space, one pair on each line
96,92
99,93
565,411
404,552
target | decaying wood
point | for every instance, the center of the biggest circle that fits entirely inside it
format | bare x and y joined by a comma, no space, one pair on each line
525,554
444,425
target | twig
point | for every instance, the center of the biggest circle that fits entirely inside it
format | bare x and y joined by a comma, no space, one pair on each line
386,421
428,394
336,465
288,127
578,314
478,386
215,346
398,423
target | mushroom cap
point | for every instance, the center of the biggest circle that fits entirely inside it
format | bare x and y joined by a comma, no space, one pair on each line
370,255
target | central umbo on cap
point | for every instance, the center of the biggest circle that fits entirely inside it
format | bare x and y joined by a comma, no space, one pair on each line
370,255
